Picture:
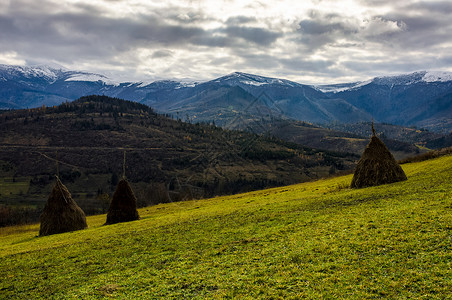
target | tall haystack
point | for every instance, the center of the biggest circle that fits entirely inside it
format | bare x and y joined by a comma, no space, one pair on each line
61,213
377,166
123,206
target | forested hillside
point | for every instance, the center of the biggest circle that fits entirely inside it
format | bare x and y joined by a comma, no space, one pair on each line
166,160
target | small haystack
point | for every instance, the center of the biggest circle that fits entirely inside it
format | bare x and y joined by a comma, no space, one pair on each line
61,213
377,166
123,206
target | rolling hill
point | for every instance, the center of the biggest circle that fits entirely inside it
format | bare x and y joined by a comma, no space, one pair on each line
311,240
166,160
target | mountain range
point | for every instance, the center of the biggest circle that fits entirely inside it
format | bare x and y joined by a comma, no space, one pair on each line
421,99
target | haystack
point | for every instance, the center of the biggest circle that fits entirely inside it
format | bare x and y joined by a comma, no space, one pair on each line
61,213
123,206
377,166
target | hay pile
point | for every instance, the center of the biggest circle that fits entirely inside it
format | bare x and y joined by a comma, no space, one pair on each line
123,206
377,166
61,213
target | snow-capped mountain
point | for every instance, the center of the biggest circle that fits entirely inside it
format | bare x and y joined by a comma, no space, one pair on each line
23,87
29,73
247,94
47,74
403,79
244,79
423,99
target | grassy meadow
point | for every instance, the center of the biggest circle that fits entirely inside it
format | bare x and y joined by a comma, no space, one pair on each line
315,240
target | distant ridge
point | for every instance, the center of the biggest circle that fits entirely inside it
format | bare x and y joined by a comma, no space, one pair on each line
421,99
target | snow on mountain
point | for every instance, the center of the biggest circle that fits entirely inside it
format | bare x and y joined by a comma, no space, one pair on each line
250,79
50,74
91,77
340,87
435,76
412,78
43,72
403,79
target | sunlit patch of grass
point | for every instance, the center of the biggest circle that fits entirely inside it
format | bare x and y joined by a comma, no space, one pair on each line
312,240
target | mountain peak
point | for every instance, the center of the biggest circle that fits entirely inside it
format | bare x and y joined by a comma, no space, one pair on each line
47,73
240,78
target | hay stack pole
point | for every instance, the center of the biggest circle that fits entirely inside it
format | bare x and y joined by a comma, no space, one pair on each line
123,206
377,165
61,213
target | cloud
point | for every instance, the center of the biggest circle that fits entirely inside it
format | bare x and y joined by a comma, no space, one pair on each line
255,35
162,53
325,39
11,58
325,29
239,20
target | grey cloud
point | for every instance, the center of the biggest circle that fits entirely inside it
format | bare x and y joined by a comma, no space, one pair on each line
442,7
255,59
319,24
256,35
162,53
86,33
238,20
321,30
422,32
300,63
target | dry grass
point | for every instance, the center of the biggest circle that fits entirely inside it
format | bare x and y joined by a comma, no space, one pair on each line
61,213
377,166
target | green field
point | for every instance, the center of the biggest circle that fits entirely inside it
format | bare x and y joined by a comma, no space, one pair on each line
10,186
317,240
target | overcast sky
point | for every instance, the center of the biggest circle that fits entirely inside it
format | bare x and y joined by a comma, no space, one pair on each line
308,41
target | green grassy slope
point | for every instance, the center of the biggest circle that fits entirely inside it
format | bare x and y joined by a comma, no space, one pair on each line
312,240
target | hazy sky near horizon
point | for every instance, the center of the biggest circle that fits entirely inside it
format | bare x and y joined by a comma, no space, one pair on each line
310,41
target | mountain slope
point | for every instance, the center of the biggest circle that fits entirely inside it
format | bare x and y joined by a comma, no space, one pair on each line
312,240
271,96
422,99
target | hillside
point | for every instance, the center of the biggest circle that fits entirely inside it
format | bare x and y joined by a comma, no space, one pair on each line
166,160
312,240
259,97
423,99
351,138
